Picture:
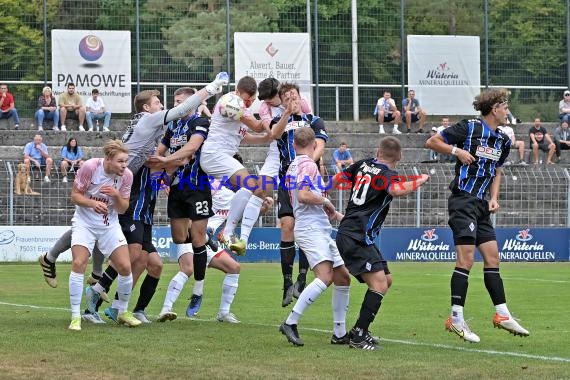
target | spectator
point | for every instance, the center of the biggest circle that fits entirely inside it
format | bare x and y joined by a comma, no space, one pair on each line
7,108
519,144
69,101
386,111
562,138
203,109
564,107
36,152
539,139
47,109
95,110
445,157
71,157
433,156
413,112
342,157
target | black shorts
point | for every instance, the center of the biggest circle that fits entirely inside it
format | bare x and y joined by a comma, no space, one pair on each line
360,258
137,232
542,145
469,218
188,203
284,206
388,117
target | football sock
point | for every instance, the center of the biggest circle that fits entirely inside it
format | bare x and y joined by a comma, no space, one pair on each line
250,216
503,310
239,201
369,308
340,299
98,259
148,288
174,289
124,290
459,284
229,289
456,314
108,277
309,295
200,260
303,266
61,245
198,287
287,251
494,285
75,293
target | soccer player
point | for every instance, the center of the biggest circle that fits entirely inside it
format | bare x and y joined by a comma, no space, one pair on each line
313,234
217,160
189,197
272,108
282,129
100,192
141,138
373,184
481,149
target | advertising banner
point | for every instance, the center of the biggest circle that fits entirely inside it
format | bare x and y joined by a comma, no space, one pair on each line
98,59
22,243
445,73
283,56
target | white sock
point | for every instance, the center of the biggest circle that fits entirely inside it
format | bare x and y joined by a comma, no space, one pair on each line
309,295
502,309
229,289
174,288
381,126
250,215
456,314
340,299
237,206
124,290
75,293
395,127
198,288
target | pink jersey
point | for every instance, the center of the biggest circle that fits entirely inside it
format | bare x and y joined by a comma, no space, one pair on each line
89,180
303,173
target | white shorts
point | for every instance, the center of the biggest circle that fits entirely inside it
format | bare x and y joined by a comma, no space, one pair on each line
183,249
272,162
318,246
219,165
107,238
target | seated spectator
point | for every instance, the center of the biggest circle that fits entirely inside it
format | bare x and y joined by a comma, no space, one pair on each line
441,157
564,107
36,152
387,111
47,110
71,104
342,157
95,110
413,112
518,144
7,107
539,139
71,157
433,156
562,138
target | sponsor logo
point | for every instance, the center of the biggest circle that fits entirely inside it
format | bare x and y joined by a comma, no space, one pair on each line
7,236
524,235
91,48
271,50
429,235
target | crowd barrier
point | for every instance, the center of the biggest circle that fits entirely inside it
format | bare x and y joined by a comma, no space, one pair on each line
22,243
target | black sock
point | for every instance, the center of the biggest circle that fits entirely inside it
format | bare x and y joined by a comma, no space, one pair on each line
287,250
459,284
106,281
370,307
200,261
494,285
148,287
303,266
96,277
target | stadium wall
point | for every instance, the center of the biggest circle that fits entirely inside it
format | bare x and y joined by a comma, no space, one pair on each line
22,243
